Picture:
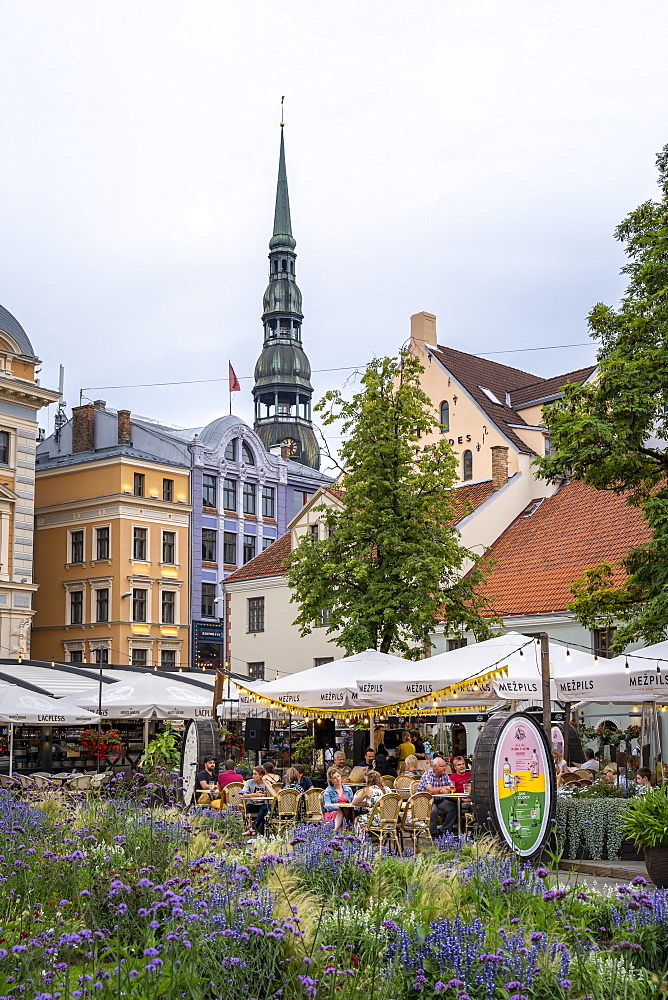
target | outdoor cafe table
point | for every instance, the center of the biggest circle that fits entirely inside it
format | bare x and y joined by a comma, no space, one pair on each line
459,797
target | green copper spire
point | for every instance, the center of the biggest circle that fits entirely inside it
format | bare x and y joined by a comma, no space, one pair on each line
282,225
282,389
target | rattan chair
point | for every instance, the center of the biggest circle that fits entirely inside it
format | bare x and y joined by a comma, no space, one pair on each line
284,808
9,784
569,778
384,818
80,783
313,811
584,772
234,800
42,781
26,782
404,781
415,821
414,785
389,781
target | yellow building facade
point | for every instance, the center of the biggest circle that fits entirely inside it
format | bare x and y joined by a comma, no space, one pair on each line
21,399
112,549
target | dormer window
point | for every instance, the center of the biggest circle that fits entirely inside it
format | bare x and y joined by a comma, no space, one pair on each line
231,450
490,395
247,455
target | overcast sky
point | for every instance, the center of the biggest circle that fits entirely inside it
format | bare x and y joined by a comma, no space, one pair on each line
467,158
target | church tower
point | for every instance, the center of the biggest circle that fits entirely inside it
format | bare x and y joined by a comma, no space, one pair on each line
282,389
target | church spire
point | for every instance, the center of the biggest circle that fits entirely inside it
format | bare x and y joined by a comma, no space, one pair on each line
282,389
282,236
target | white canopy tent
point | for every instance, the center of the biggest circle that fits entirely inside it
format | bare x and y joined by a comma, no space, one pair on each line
26,708
633,678
328,690
147,696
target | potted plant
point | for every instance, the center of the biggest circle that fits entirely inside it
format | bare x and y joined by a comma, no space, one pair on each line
160,760
646,824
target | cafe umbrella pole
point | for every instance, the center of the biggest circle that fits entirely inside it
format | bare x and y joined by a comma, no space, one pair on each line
545,684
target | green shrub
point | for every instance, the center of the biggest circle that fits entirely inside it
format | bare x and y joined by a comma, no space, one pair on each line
646,820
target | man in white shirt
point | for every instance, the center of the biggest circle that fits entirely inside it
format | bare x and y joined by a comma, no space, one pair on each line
590,761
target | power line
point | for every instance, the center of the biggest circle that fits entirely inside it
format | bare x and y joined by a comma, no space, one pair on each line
315,371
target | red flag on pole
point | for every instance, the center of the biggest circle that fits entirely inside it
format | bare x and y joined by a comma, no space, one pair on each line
234,381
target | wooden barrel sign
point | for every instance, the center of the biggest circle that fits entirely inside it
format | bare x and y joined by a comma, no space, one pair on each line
200,740
513,782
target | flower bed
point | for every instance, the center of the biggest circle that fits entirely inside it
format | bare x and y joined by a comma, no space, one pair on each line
108,898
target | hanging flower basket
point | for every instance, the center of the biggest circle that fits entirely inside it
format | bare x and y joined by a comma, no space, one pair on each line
99,745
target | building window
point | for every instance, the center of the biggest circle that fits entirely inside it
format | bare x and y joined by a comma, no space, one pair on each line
603,638
168,546
231,450
208,545
139,601
467,458
256,671
208,600
256,614
168,490
314,530
247,455
323,618
548,446
249,498
168,607
76,546
208,490
230,548
268,501
101,654
320,661
4,448
139,543
140,479
168,659
266,542
456,644
249,548
76,607
445,416
76,656
102,543
102,605
139,657
229,494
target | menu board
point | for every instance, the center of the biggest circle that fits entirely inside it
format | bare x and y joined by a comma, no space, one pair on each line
523,785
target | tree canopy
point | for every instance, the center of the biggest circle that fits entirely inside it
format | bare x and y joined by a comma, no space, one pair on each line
392,560
612,432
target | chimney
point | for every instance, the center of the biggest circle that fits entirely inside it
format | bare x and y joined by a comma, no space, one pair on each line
124,427
99,404
423,330
83,428
499,466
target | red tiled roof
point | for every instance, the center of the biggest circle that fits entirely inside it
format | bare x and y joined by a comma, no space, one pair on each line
473,372
539,557
548,386
469,497
271,562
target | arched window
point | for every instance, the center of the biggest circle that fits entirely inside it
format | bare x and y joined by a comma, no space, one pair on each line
445,416
231,450
468,465
247,455
283,265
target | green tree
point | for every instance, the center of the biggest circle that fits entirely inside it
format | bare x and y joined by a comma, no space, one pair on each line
393,559
612,433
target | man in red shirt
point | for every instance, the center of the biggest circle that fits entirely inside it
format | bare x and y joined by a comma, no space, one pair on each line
229,775
460,776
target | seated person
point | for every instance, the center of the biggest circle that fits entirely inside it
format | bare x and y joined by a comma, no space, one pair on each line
460,775
340,762
366,798
418,743
292,779
644,780
369,758
336,793
436,780
384,766
590,761
611,774
259,785
206,782
270,772
410,768
304,782
229,775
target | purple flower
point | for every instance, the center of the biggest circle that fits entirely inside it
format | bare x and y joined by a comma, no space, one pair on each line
542,872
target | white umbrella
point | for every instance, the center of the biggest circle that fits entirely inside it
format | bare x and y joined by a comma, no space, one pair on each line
330,688
148,697
641,676
27,708
475,672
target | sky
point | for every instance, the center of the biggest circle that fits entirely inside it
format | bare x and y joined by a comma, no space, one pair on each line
469,158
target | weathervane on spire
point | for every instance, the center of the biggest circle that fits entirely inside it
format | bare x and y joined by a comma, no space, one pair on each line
282,122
